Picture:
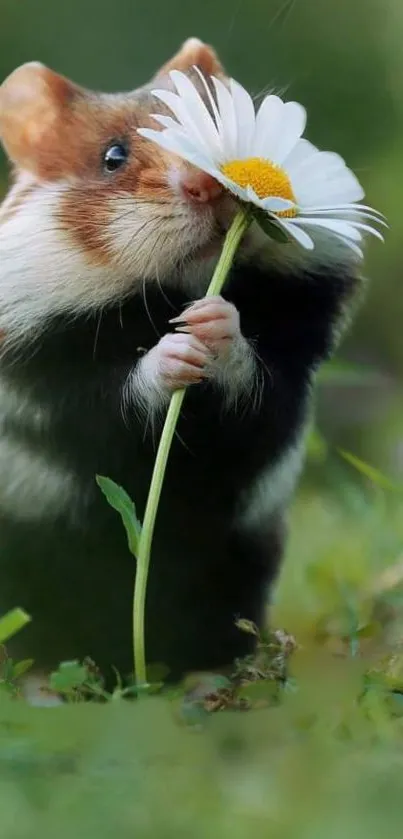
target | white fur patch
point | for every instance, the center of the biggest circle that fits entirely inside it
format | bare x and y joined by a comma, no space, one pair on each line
32,487
20,408
274,487
143,391
238,376
41,272
149,239
154,241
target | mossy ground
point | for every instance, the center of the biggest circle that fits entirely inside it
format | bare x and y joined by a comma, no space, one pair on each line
305,742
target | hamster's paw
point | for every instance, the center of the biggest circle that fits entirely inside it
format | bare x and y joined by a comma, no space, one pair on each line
178,360
212,320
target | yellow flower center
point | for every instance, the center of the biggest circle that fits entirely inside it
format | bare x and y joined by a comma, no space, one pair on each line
267,179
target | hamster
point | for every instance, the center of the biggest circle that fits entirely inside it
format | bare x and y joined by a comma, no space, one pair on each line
104,240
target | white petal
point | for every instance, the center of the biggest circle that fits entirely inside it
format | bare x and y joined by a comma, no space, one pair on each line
271,204
178,143
197,110
228,117
342,227
317,166
177,140
324,179
349,213
245,119
327,191
253,198
202,129
158,137
184,122
316,176
346,188
173,102
268,124
299,154
165,121
367,228
210,96
277,205
279,127
351,245
239,191
252,195
293,126
323,161
337,207
300,235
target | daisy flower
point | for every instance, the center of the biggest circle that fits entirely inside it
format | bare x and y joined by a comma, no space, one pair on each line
263,160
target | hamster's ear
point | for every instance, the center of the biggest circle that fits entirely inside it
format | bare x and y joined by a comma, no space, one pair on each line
35,104
194,53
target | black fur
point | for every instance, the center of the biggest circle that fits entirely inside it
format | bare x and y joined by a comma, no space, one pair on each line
75,575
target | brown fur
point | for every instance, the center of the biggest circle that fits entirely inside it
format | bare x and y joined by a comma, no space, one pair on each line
86,204
194,53
58,131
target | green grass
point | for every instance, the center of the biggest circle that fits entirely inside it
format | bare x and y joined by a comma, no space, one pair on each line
317,756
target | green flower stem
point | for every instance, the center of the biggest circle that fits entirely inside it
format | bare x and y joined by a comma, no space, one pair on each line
240,224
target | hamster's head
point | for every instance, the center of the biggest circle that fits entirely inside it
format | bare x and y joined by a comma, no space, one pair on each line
96,210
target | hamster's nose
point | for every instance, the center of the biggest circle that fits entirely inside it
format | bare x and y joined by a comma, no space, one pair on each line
200,188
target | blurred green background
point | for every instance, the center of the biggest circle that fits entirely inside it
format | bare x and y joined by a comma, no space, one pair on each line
343,60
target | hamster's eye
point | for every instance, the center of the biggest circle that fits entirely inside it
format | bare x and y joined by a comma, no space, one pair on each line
114,157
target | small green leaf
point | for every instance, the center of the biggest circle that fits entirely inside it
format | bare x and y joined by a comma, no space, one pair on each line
11,623
22,667
70,675
118,498
270,226
370,472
